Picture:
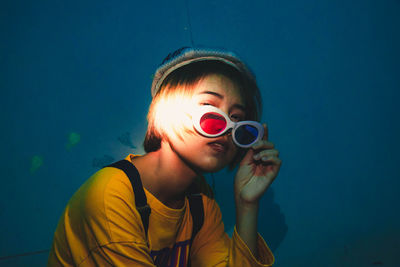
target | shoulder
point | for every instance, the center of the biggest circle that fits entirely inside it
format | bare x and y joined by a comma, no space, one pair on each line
106,202
105,189
103,185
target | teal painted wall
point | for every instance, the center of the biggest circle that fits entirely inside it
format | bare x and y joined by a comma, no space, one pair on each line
330,78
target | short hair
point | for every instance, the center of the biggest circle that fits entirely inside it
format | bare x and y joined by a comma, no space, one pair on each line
181,83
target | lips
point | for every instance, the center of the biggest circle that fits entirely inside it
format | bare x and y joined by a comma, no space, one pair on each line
219,146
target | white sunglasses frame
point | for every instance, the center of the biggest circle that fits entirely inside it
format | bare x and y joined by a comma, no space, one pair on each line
200,111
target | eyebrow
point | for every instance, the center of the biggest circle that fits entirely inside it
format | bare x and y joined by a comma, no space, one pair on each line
212,93
238,106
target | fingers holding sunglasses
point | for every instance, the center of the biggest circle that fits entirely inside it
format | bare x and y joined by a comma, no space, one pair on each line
266,155
263,144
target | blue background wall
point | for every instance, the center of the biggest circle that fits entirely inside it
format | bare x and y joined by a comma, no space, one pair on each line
329,73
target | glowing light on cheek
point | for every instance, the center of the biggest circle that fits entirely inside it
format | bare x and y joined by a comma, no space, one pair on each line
173,115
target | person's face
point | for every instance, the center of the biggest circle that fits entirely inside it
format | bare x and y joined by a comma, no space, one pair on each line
204,153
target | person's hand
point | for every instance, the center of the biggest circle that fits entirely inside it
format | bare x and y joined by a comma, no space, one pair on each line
257,170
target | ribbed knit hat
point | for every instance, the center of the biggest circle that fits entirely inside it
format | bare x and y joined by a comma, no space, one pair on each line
187,55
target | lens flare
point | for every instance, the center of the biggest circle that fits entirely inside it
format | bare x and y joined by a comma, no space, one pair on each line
172,114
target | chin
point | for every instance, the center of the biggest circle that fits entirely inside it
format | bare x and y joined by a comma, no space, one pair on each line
213,165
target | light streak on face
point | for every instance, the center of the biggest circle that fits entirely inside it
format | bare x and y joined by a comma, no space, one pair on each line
172,114
171,117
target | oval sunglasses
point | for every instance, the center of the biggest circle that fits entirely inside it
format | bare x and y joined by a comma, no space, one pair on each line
210,121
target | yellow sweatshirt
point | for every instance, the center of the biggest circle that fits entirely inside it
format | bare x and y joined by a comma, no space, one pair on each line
101,227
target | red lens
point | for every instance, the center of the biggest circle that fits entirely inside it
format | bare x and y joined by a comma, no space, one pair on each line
212,123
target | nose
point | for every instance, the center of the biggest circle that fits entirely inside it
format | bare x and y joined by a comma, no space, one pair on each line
228,134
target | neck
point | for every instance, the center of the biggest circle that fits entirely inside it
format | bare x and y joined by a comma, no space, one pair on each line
166,175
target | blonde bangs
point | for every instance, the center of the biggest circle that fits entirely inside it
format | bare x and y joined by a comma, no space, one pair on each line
169,113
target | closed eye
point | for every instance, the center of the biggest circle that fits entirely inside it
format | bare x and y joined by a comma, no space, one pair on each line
206,104
236,117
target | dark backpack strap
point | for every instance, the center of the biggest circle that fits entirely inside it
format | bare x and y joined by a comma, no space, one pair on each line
140,197
197,212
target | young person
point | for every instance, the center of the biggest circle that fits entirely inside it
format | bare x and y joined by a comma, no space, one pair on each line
202,118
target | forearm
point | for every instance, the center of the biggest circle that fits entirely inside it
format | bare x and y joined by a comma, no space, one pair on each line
246,224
